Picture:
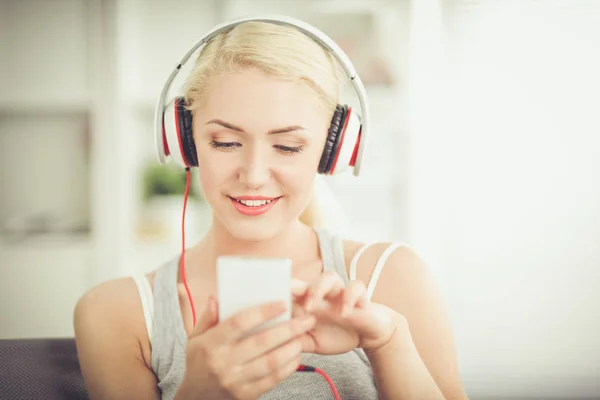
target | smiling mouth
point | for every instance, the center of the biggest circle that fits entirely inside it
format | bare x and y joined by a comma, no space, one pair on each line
253,206
254,202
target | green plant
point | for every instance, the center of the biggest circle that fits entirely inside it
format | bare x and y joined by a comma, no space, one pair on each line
166,180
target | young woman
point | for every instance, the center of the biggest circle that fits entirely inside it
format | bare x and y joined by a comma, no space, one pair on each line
262,96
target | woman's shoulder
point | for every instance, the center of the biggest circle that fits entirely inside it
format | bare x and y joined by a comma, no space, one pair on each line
109,326
392,259
113,306
113,297
396,276
117,296
370,252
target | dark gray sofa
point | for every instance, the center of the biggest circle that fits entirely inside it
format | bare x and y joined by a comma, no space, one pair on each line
46,369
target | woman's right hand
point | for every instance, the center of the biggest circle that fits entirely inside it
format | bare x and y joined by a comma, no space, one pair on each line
222,364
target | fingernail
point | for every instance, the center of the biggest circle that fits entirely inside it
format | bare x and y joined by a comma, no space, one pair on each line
298,284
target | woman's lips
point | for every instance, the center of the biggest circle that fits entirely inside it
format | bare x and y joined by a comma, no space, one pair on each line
253,205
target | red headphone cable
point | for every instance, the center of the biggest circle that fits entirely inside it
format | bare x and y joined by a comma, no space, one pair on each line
301,368
306,368
182,260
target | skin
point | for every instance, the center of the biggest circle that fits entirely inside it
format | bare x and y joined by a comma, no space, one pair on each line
259,135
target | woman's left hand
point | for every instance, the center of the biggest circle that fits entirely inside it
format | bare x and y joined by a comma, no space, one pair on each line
346,318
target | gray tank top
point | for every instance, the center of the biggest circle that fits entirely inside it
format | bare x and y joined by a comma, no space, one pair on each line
351,371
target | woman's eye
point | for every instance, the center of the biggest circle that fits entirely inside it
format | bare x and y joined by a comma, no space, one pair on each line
229,146
224,145
289,150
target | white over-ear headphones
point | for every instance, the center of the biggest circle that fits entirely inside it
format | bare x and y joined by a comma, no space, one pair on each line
347,136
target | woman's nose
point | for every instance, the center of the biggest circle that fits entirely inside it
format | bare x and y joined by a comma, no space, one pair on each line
255,171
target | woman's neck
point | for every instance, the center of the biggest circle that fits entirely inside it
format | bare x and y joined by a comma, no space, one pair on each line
297,242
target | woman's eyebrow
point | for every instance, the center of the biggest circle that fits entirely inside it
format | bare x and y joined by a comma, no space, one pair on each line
287,129
228,125
225,124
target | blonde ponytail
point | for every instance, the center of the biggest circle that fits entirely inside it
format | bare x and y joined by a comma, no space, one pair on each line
312,215
324,210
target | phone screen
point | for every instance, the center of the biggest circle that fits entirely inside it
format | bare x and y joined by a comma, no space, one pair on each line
244,282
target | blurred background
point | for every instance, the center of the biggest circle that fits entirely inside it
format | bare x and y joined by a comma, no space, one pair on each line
484,155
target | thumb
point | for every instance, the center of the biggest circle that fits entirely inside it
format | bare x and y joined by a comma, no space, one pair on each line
209,317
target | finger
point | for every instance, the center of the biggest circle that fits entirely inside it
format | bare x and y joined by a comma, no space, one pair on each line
363,300
297,309
308,343
299,287
355,290
262,385
330,284
300,292
270,362
263,342
240,323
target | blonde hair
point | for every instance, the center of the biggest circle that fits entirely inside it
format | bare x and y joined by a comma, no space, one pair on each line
278,50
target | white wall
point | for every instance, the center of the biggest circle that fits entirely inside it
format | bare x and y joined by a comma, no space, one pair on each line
505,194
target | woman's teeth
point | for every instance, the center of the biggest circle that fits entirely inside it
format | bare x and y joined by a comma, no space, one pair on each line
254,203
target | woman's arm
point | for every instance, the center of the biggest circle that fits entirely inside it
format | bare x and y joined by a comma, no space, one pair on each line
420,361
400,372
107,320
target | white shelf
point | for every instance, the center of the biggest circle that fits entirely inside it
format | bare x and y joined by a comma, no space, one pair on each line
44,106
45,242
48,249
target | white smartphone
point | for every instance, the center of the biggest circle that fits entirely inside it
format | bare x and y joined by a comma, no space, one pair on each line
244,282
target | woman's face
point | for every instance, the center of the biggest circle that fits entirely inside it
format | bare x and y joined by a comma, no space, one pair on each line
259,140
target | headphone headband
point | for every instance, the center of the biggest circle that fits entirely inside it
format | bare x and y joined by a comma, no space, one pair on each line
305,28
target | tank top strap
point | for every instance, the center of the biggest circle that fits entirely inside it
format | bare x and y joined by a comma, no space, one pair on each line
332,253
147,299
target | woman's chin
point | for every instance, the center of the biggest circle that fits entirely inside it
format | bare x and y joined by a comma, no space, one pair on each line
254,230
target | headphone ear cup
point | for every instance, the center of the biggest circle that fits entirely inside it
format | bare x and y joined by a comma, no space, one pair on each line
186,133
348,141
333,139
177,121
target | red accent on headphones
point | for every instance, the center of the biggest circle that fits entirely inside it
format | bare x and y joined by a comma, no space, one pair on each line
164,140
337,154
178,125
355,153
